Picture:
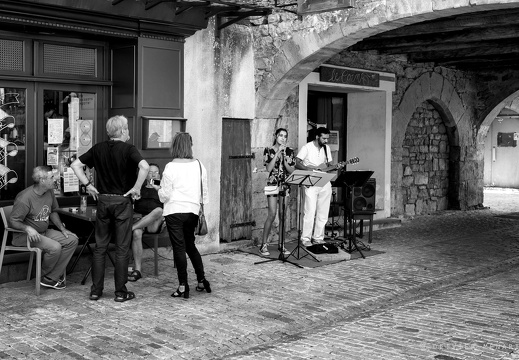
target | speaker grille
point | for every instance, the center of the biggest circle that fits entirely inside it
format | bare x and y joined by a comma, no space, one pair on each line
11,55
363,197
368,190
69,60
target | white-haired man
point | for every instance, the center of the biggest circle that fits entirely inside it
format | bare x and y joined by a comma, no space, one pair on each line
117,183
32,210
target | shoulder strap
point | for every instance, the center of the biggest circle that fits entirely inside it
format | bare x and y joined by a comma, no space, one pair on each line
201,186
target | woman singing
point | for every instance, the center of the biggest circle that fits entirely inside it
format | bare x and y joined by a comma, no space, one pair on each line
180,193
280,161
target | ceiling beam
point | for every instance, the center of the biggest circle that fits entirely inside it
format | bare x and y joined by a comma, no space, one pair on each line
455,23
462,36
467,53
450,47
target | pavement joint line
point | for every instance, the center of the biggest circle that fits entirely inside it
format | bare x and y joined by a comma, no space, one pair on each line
383,303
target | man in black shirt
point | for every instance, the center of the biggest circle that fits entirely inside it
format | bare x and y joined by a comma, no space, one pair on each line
118,182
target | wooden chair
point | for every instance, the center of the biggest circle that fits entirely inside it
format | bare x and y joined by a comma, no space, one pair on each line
6,213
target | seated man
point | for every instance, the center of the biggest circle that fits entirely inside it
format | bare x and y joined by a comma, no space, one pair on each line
32,209
150,207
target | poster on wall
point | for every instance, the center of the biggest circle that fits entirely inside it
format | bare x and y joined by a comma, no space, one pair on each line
73,113
333,140
84,136
52,155
55,128
70,180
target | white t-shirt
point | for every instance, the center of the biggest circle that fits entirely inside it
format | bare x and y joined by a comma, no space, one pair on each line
314,156
180,187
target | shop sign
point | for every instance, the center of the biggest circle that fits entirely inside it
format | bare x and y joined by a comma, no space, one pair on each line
350,77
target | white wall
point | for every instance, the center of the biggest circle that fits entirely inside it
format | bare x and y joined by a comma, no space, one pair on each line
219,82
367,137
501,169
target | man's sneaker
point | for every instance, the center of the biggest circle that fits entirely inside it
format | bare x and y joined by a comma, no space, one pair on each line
61,281
318,241
264,251
285,251
58,285
306,242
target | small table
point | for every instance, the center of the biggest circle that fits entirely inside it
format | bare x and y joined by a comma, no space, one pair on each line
90,218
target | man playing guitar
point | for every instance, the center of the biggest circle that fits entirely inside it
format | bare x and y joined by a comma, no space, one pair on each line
316,155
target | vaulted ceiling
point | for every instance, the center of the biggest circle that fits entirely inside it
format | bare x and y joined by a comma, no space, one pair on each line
475,41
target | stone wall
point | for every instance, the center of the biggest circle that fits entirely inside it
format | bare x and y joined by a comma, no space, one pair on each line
425,161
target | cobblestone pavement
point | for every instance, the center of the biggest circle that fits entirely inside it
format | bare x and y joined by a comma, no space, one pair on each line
444,288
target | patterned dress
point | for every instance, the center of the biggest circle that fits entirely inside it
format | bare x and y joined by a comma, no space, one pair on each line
278,174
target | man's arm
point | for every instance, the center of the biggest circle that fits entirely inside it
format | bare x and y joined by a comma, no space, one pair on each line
54,217
77,166
16,221
325,167
135,191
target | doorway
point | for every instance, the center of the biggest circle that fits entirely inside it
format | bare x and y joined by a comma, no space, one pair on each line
236,181
330,110
37,129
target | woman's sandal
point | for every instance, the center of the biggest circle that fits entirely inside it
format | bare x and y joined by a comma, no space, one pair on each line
134,275
203,285
122,298
179,293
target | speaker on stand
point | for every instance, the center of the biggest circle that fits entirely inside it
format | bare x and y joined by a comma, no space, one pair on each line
362,198
360,205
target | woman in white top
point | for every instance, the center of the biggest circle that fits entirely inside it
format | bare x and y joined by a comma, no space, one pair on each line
180,193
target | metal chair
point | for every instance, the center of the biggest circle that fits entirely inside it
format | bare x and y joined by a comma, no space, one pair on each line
6,213
155,238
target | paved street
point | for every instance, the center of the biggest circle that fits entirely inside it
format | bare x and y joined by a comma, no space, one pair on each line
444,288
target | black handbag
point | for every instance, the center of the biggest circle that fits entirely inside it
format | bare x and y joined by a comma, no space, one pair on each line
201,228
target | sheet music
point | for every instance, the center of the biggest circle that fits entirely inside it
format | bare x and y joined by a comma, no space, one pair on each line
309,178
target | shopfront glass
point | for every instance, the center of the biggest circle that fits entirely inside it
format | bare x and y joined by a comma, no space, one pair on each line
68,128
54,130
12,141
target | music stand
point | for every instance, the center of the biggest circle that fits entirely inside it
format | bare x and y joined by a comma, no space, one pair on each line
281,257
304,178
351,179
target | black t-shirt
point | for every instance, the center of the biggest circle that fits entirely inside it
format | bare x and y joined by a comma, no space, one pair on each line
115,163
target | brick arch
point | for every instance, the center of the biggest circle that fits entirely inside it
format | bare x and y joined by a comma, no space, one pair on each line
441,94
433,88
308,48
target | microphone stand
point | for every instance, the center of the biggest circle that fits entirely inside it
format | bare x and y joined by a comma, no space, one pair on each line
282,212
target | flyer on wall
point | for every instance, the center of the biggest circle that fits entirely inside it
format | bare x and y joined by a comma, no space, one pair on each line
70,180
55,127
52,155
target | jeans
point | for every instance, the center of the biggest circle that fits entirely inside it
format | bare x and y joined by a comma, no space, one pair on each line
181,229
57,251
114,219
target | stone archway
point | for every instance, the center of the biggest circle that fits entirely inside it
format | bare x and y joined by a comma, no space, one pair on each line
426,147
499,163
287,60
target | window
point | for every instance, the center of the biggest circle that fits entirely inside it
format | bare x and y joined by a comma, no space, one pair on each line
158,132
